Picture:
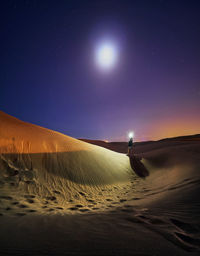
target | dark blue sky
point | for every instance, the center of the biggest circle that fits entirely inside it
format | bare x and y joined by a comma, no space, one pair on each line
49,76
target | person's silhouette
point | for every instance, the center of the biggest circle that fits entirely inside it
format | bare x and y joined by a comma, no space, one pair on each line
130,147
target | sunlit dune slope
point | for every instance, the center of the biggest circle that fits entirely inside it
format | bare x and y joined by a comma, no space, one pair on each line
21,137
50,160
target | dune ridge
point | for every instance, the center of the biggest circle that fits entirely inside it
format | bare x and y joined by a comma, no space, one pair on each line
39,161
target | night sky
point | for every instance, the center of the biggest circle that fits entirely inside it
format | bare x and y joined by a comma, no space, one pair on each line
49,75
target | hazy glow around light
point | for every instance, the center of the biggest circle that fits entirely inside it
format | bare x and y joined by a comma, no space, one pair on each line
131,135
106,55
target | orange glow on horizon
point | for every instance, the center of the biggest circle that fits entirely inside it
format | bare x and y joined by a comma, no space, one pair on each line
173,128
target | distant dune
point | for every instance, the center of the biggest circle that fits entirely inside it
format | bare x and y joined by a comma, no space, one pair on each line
121,147
63,196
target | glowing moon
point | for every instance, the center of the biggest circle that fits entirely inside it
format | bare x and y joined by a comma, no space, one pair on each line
106,55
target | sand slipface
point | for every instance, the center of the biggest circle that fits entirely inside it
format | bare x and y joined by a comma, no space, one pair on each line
40,161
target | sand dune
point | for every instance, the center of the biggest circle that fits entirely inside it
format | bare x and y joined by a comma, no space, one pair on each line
57,158
63,196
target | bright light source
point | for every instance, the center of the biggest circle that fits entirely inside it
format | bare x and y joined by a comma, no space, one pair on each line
106,55
131,135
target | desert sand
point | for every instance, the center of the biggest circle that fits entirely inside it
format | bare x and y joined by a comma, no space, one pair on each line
64,196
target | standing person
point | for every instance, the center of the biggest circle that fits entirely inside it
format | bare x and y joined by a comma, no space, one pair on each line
130,147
